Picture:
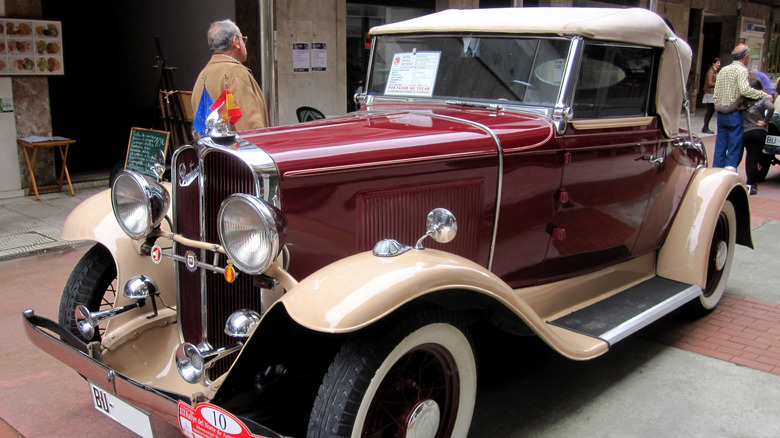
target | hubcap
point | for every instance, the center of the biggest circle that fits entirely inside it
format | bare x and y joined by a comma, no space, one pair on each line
721,255
424,420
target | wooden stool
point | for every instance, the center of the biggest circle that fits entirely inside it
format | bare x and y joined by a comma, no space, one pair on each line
63,144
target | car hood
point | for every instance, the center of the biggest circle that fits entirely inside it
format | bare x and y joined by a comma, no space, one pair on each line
395,134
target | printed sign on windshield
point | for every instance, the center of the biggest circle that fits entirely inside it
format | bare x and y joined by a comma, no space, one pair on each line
413,74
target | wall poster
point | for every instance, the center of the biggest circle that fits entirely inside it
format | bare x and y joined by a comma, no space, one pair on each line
30,47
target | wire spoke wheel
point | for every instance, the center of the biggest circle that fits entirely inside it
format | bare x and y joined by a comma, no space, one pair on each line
92,283
413,378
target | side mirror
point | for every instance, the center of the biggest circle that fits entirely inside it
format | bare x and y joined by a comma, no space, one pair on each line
441,225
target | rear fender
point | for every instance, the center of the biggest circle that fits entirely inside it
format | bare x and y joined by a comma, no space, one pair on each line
363,289
683,256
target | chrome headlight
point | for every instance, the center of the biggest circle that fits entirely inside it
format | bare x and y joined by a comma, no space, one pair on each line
140,204
251,231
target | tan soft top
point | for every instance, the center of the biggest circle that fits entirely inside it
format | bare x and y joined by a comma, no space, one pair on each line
629,25
633,25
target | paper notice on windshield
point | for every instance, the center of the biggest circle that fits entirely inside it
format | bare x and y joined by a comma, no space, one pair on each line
413,74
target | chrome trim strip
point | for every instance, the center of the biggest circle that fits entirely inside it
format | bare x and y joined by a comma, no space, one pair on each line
650,315
499,176
363,166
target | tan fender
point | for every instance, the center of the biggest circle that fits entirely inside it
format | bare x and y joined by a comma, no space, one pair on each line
683,256
93,220
362,289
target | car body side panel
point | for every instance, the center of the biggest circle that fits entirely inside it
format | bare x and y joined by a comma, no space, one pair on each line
344,186
674,175
607,183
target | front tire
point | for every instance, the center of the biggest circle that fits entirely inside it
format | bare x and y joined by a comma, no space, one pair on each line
415,378
718,262
93,284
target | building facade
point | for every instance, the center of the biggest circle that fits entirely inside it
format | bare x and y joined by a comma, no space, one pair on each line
303,53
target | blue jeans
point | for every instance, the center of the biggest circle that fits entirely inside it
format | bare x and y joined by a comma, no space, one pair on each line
728,143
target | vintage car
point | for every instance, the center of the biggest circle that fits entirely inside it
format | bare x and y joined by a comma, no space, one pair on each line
521,169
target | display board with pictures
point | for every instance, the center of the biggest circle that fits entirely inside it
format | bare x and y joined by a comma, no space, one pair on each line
30,47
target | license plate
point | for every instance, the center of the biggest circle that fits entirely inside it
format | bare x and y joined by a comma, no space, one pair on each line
772,140
122,412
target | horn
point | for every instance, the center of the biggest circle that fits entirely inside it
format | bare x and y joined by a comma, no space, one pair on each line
86,321
192,362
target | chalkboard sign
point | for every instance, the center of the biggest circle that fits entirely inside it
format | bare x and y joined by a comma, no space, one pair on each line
143,146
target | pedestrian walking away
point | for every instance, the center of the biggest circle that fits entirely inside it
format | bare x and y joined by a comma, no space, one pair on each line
709,98
756,115
731,83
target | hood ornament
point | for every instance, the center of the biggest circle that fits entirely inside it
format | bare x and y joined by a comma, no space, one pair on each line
217,124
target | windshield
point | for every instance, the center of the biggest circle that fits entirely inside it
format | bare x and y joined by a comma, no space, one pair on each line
491,69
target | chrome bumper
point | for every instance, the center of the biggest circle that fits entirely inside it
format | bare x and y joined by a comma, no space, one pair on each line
74,353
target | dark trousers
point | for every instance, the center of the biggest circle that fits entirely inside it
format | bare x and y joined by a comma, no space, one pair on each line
708,114
753,140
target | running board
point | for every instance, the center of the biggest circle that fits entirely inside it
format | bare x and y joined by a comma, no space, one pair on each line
615,318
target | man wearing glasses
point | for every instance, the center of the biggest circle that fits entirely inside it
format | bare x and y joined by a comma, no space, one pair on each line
228,53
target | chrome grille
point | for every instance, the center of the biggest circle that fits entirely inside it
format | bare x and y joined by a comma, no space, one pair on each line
195,216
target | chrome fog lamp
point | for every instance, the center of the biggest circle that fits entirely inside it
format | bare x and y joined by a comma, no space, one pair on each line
192,361
140,204
241,323
140,287
251,231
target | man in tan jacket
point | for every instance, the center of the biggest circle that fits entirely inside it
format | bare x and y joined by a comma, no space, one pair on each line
228,49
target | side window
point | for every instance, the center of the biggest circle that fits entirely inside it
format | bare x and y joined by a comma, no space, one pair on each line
614,81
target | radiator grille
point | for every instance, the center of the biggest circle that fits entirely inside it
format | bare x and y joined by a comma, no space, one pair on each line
222,174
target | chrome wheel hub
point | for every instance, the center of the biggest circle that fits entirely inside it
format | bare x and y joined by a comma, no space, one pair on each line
721,255
424,420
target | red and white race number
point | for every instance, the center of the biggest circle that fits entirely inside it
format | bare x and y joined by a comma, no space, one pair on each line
211,421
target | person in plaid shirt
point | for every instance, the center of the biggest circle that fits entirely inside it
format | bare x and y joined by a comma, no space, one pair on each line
730,85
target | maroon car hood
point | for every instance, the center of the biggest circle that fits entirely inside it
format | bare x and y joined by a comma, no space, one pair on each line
395,134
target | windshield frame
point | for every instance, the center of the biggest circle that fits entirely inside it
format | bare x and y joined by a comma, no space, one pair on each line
555,103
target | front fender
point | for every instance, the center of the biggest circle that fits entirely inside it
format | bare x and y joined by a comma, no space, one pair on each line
359,290
683,256
362,289
94,220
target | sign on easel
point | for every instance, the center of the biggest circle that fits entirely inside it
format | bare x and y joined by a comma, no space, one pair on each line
142,148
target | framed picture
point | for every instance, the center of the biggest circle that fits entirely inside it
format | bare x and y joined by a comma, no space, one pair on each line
30,47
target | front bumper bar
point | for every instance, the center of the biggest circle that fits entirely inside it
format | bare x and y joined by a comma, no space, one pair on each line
71,351
74,353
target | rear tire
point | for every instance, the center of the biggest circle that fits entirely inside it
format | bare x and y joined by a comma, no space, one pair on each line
93,284
721,254
764,163
416,377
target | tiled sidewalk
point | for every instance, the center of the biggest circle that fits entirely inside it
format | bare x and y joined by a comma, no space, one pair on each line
741,330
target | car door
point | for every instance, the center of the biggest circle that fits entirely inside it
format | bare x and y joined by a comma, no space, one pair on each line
610,161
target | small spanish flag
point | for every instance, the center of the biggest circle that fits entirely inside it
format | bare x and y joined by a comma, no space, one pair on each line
233,111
